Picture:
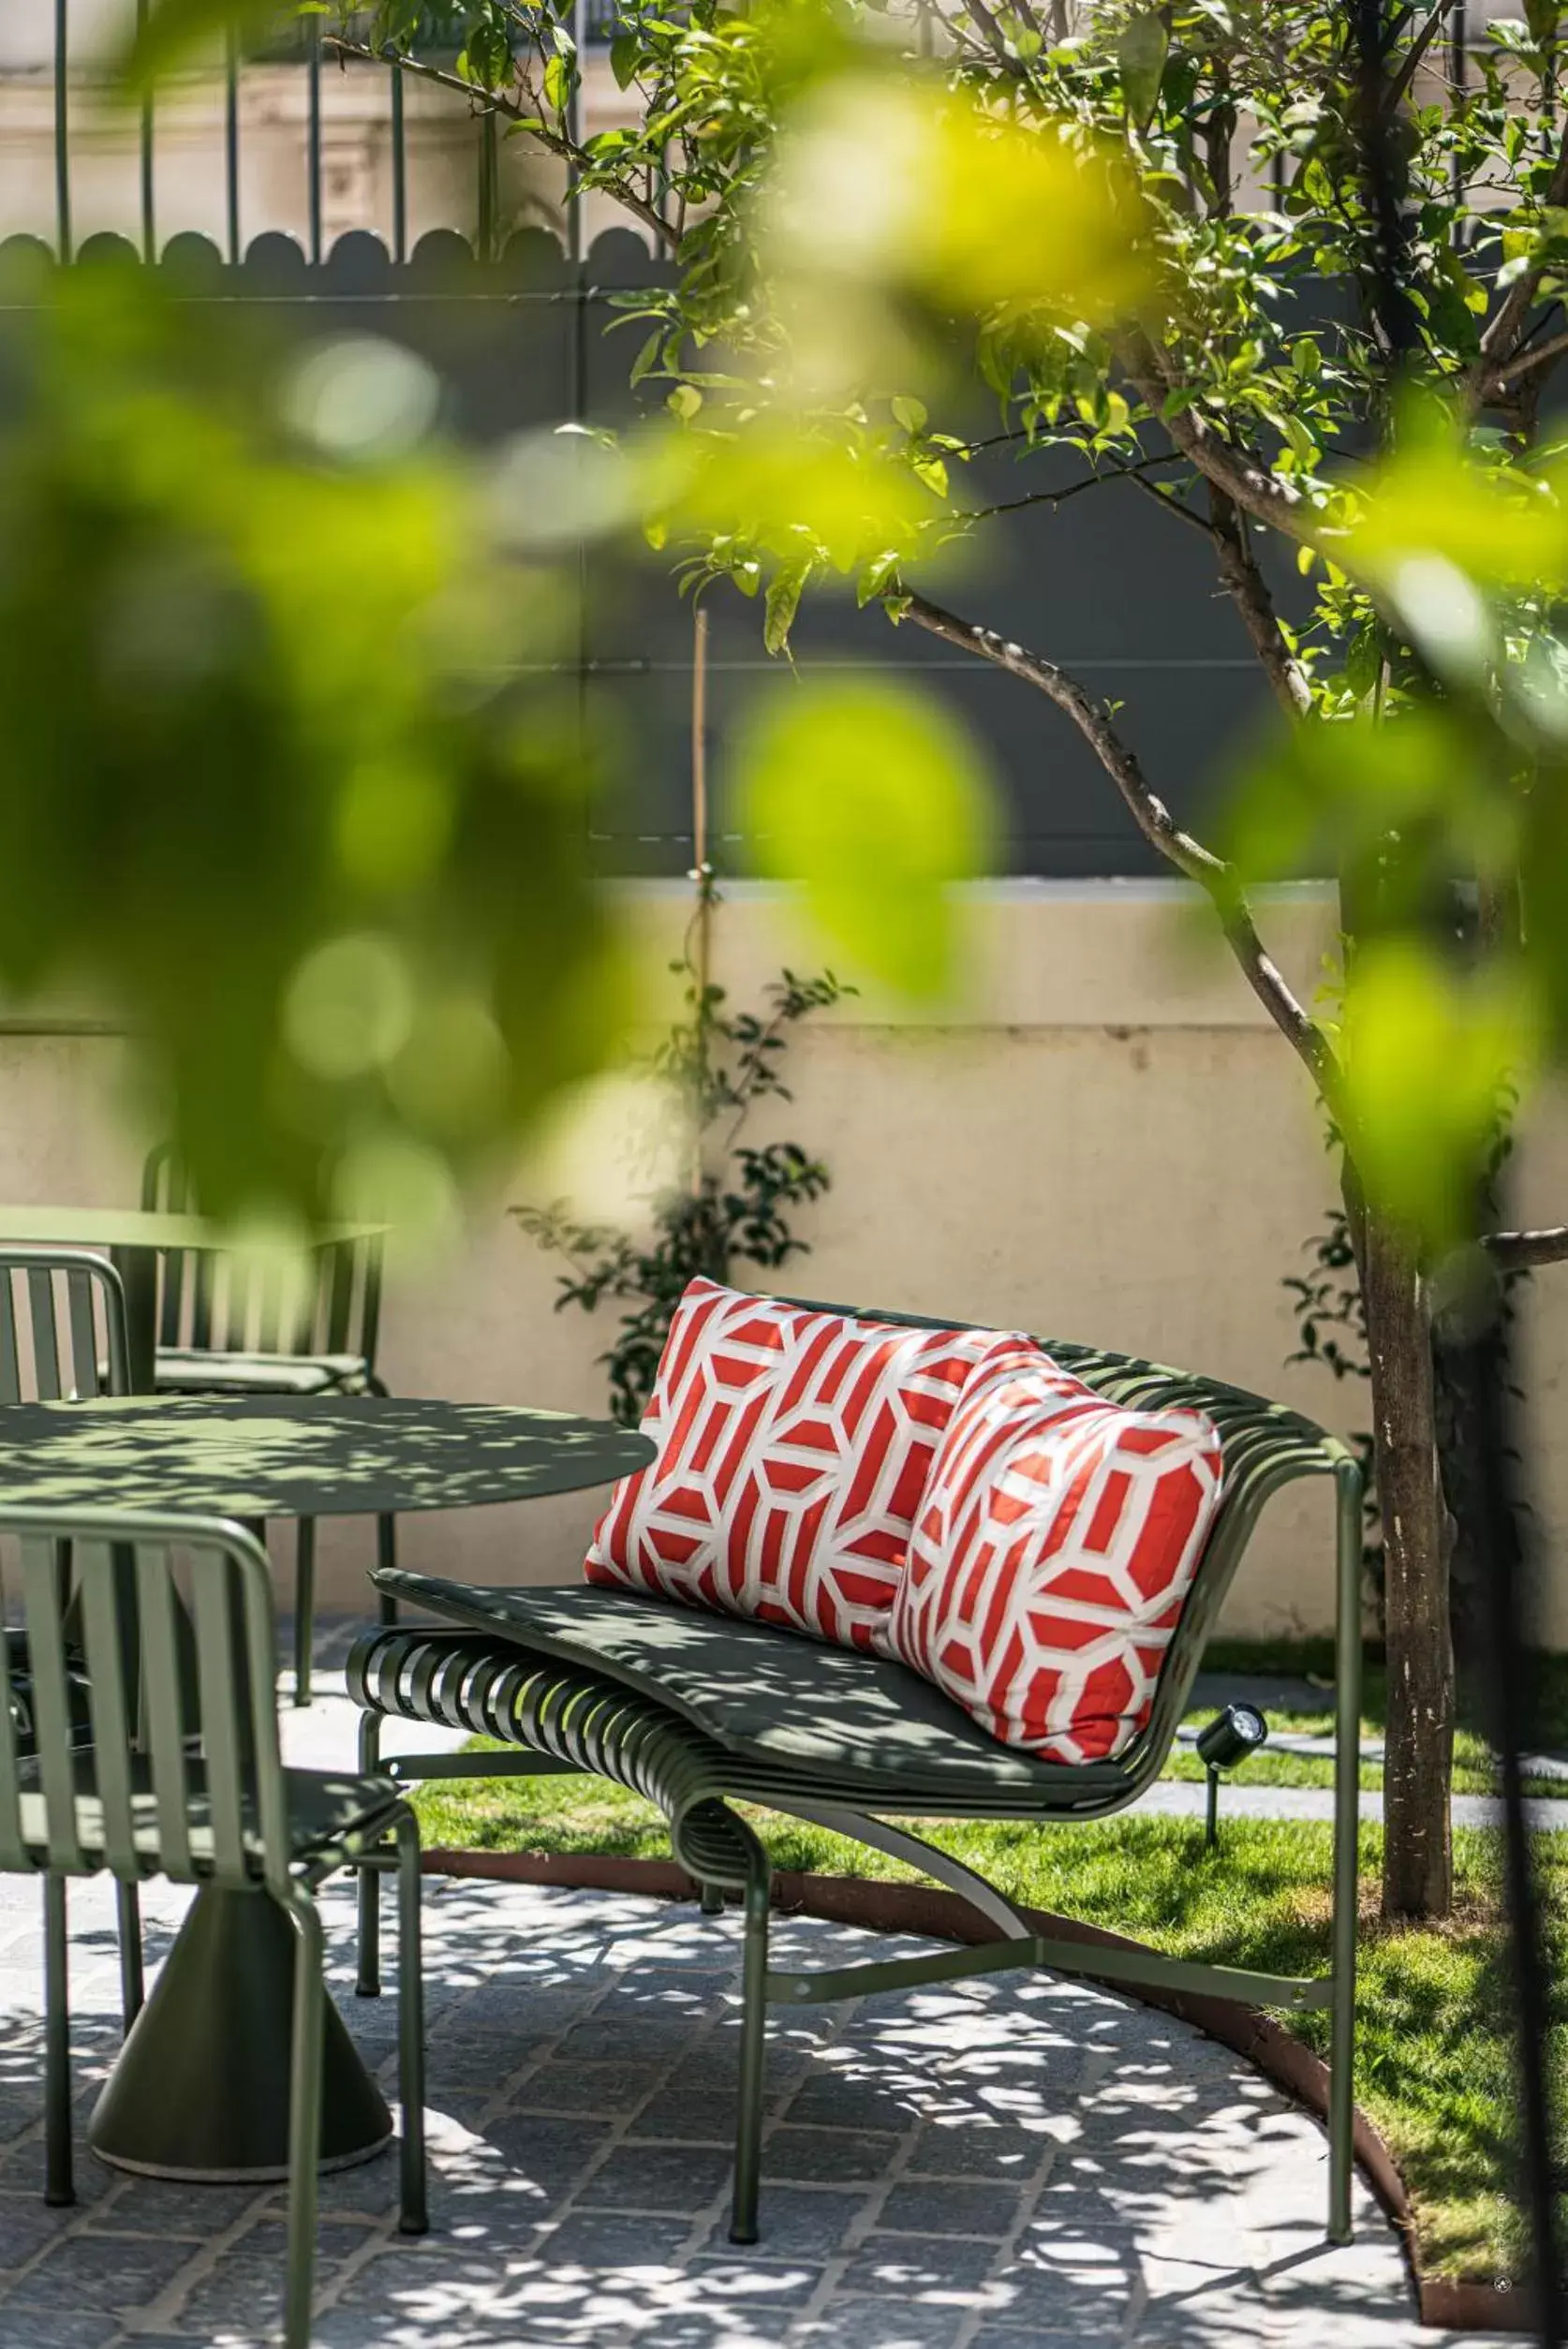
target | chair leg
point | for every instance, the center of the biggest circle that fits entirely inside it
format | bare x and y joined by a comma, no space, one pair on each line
367,1978
59,2183
304,1607
385,1555
753,2052
305,2116
414,2216
712,1897
128,1903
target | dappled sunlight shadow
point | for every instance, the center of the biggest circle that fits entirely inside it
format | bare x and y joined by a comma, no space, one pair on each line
322,1455
987,2161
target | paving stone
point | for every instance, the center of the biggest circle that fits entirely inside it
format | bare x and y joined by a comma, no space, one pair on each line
801,2223
687,2116
951,2208
846,2100
880,2325
26,2225
158,2206
967,2146
550,2152
895,2267
738,2277
590,2089
103,2272
828,2156
22,2326
658,2177
613,2238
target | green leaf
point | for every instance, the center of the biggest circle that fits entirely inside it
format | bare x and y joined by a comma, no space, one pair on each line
910,412
647,358
556,84
624,53
684,401
1363,661
875,800
779,607
1141,54
1542,16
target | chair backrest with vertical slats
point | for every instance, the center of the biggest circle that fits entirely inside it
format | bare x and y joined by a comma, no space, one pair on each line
208,1300
184,1777
62,1326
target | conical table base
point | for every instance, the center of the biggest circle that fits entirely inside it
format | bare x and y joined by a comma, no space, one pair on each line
200,2089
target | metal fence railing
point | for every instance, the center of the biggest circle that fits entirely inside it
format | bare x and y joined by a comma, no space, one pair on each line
53,53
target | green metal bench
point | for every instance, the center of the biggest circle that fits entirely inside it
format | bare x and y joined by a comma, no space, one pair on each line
698,1711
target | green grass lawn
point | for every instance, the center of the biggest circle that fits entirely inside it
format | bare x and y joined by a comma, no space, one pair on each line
1434,2006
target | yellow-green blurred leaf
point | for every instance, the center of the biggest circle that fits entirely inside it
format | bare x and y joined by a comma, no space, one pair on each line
1430,1057
874,799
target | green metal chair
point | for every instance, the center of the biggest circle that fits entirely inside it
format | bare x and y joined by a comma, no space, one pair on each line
220,1332
62,1339
698,1711
183,1778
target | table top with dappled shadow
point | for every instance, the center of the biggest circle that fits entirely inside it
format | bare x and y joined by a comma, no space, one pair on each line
318,1455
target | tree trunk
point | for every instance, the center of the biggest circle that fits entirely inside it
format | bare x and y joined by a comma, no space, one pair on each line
1417,1858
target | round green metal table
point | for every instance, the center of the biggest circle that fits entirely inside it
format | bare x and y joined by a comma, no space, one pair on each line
200,2089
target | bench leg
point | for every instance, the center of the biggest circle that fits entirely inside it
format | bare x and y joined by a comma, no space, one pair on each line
1346,1764
385,1555
367,1979
59,2185
753,2053
304,1607
712,1900
414,2211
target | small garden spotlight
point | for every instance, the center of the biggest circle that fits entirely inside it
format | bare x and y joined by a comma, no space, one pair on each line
1234,1734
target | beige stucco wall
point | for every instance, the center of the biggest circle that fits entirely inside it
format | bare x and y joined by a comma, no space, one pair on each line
1105,1139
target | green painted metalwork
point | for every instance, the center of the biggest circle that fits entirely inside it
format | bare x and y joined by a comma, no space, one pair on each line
231,146
62,1333
400,170
64,243
246,1456
313,133
1107,1964
696,1712
203,1797
320,1340
145,161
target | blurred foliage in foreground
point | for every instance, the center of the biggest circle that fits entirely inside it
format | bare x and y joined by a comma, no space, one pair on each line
272,791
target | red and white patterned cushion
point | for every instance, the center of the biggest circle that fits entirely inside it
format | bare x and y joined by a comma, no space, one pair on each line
1054,1546
793,1448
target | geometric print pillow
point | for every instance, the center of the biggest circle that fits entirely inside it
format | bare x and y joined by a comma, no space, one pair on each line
793,1449
1054,1546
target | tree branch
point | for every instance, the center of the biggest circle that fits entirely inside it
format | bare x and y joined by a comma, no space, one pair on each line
1212,874
1243,477
496,102
1073,489
995,39
1516,1251
1248,590
1500,338
1539,355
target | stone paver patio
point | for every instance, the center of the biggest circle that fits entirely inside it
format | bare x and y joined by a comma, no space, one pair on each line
981,2167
